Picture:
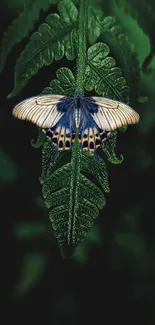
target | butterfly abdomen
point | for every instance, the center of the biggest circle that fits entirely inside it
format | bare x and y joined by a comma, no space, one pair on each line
77,117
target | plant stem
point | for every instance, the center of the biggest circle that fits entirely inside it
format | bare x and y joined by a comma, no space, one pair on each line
82,45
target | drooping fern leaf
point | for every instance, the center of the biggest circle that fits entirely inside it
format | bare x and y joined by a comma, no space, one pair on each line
68,181
72,199
21,26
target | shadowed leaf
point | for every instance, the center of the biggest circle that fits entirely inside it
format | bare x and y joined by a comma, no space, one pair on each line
54,39
21,26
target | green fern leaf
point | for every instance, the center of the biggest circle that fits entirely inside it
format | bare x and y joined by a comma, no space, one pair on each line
69,181
64,84
56,37
72,221
103,76
124,52
95,17
21,26
109,149
40,139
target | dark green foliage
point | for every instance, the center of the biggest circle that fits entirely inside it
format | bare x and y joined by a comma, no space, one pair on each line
64,84
54,38
123,50
103,76
116,258
22,25
73,187
141,11
76,203
72,199
109,149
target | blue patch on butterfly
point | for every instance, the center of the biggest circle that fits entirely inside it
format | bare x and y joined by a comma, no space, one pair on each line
65,104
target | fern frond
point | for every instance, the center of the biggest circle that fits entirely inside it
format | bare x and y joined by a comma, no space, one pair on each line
103,76
21,26
95,18
123,51
73,188
56,37
40,139
64,84
109,149
72,199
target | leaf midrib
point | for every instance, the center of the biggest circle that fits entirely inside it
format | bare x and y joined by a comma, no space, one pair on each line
74,187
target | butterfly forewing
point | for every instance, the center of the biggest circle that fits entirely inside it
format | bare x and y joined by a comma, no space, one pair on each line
40,110
112,114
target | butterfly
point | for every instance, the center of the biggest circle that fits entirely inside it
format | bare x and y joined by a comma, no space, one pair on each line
62,118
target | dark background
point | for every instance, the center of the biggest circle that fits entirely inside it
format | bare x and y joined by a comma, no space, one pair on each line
112,274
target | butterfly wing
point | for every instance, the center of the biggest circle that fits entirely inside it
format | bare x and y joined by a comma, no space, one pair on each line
110,114
44,111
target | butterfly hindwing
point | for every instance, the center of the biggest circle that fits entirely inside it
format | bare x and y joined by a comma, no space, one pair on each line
61,137
92,138
110,114
45,111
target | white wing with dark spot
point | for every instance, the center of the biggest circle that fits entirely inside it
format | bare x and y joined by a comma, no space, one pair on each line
40,110
113,114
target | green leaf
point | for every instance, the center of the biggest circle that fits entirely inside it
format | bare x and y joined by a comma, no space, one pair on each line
21,26
123,51
109,149
103,76
40,140
72,199
95,17
56,37
64,84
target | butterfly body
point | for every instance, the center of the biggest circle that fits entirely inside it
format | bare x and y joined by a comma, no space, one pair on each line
77,117
89,119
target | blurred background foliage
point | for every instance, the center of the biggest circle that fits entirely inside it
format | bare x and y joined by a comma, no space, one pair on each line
112,273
